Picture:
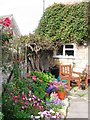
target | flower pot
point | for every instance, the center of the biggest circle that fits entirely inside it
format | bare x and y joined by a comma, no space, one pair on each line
62,95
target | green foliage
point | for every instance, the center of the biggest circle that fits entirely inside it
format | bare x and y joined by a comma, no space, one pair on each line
6,37
67,23
20,90
39,86
46,77
1,116
55,107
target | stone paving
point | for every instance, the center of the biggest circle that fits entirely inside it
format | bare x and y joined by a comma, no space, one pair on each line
78,107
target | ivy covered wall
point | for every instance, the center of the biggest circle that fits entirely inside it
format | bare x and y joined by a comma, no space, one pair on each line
67,23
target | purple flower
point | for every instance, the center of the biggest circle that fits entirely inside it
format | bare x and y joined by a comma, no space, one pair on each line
49,88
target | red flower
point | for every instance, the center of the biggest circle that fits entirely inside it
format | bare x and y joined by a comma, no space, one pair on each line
14,98
7,22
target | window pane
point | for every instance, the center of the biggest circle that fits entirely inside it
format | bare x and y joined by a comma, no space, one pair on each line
60,50
69,46
69,52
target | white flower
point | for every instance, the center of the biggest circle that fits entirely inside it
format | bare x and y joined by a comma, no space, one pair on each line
63,111
29,99
51,111
36,117
30,92
42,115
31,116
45,112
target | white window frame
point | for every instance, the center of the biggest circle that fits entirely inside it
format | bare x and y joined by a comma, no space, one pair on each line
64,49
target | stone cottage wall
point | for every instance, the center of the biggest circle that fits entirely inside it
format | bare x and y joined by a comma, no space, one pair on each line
81,59
79,62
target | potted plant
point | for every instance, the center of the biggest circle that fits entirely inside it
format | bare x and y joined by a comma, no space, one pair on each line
61,90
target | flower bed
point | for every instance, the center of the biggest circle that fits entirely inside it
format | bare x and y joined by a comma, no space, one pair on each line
26,98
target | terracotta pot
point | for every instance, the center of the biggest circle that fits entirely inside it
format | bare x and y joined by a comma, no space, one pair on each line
47,94
62,95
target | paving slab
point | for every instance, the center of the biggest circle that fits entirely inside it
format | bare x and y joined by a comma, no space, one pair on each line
78,107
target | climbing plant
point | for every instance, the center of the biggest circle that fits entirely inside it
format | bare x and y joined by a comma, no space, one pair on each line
39,50
67,23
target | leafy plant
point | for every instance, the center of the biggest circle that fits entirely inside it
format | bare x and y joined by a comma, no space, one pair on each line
45,77
1,116
61,88
66,23
39,82
18,97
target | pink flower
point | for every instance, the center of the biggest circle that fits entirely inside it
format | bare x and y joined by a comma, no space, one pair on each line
26,103
37,104
34,105
23,96
38,99
41,107
16,101
32,99
55,83
34,96
34,78
29,94
23,107
41,81
14,98
18,96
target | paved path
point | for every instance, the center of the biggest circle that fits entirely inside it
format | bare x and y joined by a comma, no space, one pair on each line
78,104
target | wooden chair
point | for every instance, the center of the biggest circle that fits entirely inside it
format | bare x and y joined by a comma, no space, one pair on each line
66,73
87,75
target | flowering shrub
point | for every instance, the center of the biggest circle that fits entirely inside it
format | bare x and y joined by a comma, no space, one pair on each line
46,77
24,98
18,102
39,82
30,104
21,104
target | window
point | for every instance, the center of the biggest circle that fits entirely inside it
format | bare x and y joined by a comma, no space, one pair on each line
66,50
